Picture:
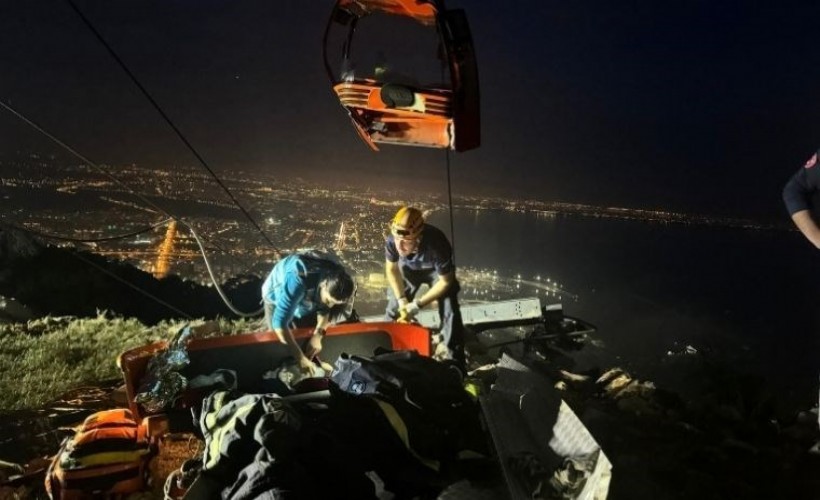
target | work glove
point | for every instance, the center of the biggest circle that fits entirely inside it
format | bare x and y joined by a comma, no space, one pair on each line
402,315
410,310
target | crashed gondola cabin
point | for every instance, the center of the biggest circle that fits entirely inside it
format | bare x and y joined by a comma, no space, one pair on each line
405,71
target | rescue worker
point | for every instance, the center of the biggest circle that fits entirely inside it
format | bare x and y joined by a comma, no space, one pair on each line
306,290
417,253
801,198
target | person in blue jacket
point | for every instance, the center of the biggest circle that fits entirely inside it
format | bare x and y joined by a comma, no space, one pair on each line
304,290
801,198
417,253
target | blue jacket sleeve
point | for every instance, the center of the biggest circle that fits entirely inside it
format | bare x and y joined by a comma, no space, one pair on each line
287,300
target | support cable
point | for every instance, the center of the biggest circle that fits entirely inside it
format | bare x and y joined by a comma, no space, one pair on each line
444,67
95,240
222,294
98,168
138,195
450,205
170,123
118,278
133,286
85,160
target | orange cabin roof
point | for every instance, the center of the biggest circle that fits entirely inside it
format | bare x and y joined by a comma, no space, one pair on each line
419,10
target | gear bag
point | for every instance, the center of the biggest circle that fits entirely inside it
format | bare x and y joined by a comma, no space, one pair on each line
106,456
423,382
426,401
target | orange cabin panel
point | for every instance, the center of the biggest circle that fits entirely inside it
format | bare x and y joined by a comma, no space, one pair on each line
243,352
422,12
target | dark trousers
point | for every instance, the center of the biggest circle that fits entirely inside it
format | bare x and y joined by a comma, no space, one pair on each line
452,329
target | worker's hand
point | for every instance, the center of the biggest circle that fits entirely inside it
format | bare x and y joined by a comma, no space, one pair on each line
314,345
306,366
410,310
327,367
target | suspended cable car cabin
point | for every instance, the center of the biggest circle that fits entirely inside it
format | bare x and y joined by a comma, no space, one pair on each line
423,94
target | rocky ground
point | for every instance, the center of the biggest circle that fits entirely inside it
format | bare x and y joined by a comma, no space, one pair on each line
660,446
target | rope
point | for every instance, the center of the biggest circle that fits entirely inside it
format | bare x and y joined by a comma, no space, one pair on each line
218,288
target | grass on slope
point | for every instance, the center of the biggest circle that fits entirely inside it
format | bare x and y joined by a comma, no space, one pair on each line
44,358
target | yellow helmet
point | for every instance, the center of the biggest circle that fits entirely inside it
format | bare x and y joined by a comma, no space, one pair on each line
407,223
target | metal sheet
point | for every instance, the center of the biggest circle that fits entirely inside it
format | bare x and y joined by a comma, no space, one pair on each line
526,416
478,314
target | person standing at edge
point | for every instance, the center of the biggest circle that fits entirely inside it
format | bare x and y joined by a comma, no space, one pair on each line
800,194
801,198
417,253
305,291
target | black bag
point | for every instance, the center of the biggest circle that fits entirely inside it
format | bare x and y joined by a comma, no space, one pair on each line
422,382
427,395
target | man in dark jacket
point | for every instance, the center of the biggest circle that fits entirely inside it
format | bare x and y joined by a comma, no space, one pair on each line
801,198
417,253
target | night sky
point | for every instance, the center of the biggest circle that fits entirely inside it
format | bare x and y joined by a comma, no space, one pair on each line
702,106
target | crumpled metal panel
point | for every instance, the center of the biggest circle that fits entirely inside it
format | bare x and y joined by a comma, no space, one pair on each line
539,440
162,382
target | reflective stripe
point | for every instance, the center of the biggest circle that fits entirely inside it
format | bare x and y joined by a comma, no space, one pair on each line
105,458
218,430
218,403
398,425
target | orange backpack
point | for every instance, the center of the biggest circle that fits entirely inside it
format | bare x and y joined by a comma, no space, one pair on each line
107,455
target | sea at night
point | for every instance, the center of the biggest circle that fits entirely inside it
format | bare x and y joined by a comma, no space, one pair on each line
677,304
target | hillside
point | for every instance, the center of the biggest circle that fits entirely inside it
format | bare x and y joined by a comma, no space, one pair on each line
49,280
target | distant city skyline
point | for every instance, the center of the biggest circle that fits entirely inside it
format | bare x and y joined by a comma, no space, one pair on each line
240,179
74,201
296,215
703,107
